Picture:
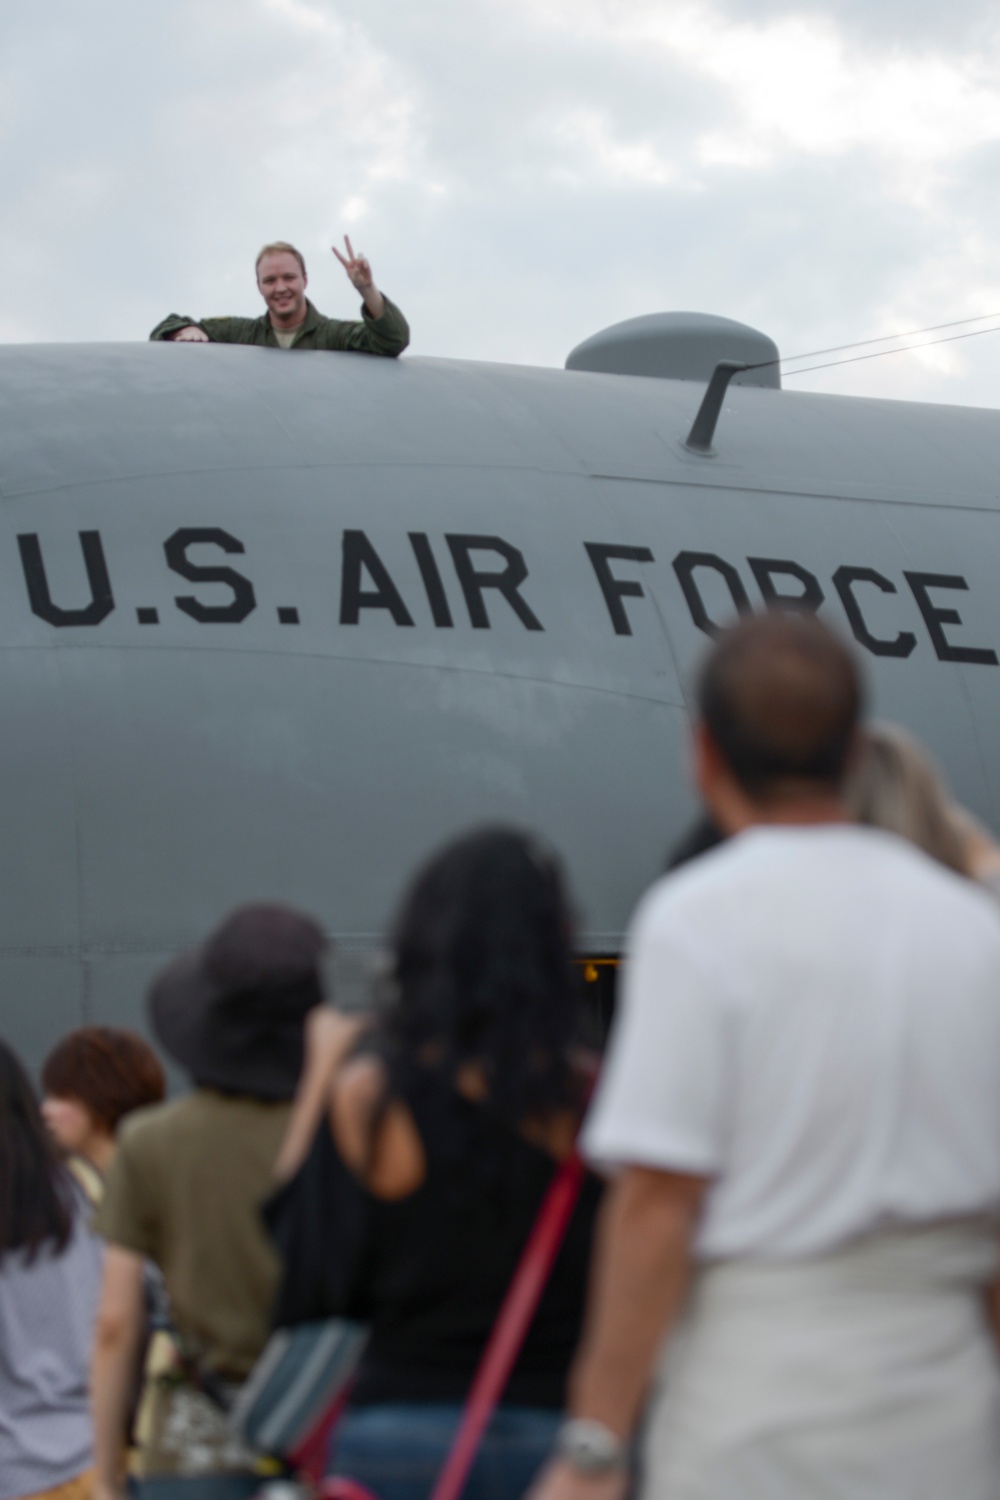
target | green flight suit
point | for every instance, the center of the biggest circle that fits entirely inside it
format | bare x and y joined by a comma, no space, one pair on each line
388,335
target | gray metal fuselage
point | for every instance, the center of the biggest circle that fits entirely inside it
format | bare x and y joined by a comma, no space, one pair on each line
443,593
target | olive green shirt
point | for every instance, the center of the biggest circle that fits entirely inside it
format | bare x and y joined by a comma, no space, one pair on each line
387,335
185,1190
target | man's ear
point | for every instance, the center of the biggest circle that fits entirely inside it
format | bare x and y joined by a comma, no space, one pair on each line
720,795
705,760
855,751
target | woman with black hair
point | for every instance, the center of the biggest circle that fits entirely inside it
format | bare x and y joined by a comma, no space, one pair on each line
50,1269
444,1128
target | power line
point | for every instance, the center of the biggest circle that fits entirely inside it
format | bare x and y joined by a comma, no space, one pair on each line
880,353
885,339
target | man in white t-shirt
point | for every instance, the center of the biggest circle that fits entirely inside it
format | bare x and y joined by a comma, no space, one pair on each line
802,1102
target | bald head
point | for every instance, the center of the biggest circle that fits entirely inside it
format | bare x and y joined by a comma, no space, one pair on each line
780,696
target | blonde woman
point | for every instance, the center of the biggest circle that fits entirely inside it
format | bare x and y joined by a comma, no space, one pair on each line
895,785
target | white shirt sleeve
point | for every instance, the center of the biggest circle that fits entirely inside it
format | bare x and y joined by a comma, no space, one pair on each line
661,1098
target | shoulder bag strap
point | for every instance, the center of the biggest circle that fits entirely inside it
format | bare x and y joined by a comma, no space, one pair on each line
512,1324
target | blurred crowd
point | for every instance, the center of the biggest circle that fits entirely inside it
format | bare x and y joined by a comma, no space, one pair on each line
779,1271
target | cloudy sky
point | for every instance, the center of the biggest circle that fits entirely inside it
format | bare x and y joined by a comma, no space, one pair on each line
520,172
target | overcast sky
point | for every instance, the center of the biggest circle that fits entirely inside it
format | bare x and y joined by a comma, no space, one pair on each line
521,173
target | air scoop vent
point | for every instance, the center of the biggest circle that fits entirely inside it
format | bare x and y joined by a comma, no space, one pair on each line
679,346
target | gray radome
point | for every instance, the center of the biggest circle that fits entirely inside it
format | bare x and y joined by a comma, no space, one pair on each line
678,346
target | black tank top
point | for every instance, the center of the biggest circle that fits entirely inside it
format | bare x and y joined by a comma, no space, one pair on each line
428,1273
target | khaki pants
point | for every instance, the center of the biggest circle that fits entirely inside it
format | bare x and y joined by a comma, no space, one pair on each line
869,1371
73,1489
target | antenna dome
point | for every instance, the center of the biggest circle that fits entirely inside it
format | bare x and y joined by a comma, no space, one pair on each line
678,346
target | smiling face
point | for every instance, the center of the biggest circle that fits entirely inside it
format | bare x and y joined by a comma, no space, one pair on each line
282,283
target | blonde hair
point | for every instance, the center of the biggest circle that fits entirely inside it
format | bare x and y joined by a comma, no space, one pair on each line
279,247
895,785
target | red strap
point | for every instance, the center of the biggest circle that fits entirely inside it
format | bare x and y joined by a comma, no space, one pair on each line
511,1326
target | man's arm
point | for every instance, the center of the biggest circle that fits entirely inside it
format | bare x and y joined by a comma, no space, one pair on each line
119,1328
642,1262
384,329
388,335
179,329
176,323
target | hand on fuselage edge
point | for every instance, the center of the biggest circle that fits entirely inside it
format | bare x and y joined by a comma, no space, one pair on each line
192,334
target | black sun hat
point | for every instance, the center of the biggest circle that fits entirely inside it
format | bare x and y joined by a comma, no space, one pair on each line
232,1010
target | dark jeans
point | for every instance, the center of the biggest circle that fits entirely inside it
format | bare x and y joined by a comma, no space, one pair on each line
397,1450
198,1487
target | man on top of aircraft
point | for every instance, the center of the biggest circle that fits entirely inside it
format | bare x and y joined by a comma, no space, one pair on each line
291,321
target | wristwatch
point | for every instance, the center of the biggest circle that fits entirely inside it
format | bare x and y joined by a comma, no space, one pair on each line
590,1446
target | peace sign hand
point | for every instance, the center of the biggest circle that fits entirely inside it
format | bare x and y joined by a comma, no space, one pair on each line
358,270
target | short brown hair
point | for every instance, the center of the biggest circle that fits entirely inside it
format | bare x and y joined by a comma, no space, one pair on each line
781,695
110,1072
279,247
